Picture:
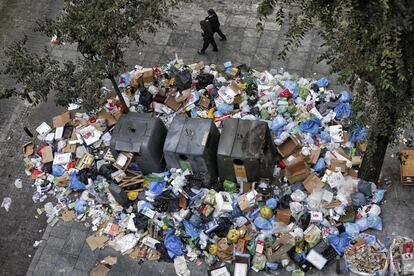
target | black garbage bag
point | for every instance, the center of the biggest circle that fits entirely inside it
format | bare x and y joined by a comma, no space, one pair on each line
84,174
252,94
106,170
141,221
183,80
145,99
365,187
163,253
204,79
284,201
166,202
224,225
47,167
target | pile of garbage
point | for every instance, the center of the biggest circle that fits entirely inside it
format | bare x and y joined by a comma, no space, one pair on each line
307,214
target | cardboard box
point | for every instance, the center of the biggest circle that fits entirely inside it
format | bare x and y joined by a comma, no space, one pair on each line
289,146
341,164
283,215
28,149
108,117
172,103
297,171
241,264
219,271
61,120
241,245
314,156
204,102
147,75
313,182
353,173
47,154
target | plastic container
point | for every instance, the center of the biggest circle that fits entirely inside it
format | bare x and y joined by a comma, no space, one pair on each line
246,151
142,134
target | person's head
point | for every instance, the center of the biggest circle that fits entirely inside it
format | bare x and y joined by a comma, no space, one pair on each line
211,12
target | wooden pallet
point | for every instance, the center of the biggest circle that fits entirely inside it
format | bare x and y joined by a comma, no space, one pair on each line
407,167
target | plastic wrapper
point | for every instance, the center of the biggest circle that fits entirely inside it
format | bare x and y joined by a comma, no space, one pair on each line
293,87
81,206
322,82
125,243
312,235
298,196
278,123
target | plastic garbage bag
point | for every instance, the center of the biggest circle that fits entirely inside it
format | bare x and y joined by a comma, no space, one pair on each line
372,209
311,126
80,206
377,195
352,229
229,186
345,96
125,243
278,123
286,93
365,187
312,235
156,187
322,82
259,261
6,203
295,208
340,242
319,166
262,223
173,244
190,229
324,135
343,110
293,87
75,183
362,224
298,196
358,199
57,170
141,221
375,222
272,203
358,133
166,201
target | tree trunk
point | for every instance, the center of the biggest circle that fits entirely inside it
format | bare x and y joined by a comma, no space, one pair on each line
374,158
118,93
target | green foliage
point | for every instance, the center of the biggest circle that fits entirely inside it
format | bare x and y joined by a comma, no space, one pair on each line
368,44
101,30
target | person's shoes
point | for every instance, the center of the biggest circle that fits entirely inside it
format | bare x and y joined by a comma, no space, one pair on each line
215,50
223,39
200,52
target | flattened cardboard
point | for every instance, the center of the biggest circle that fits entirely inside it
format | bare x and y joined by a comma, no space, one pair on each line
313,182
68,215
99,270
61,120
313,158
47,154
95,241
147,75
338,164
172,103
297,171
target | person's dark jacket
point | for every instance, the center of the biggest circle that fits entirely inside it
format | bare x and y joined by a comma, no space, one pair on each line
207,30
214,22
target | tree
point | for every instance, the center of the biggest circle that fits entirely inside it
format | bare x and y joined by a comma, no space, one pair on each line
369,45
101,30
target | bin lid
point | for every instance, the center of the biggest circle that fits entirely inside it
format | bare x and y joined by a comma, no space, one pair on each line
188,135
131,132
243,138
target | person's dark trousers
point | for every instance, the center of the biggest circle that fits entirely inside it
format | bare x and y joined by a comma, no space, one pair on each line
220,33
207,42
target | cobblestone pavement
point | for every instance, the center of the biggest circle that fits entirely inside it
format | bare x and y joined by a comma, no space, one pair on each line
63,250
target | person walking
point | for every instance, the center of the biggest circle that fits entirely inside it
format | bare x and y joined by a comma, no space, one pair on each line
215,23
208,37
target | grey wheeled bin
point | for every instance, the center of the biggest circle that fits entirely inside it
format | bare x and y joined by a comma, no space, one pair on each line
192,143
246,151
142,134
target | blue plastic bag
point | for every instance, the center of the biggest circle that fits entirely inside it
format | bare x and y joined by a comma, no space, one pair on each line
323,82
293,87
358,133
173,244
320,165
57,170
345,96
310,126
278,123
352,229
262,223
272,203
190,229
362,224
156,187
80,206
325,136
75,183
377,196
375,222
340,242
342,110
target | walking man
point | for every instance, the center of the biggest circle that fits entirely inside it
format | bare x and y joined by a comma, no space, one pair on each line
215,23
208,37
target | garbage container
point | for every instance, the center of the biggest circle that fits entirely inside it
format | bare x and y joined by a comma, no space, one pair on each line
246,151
142,134
192,143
